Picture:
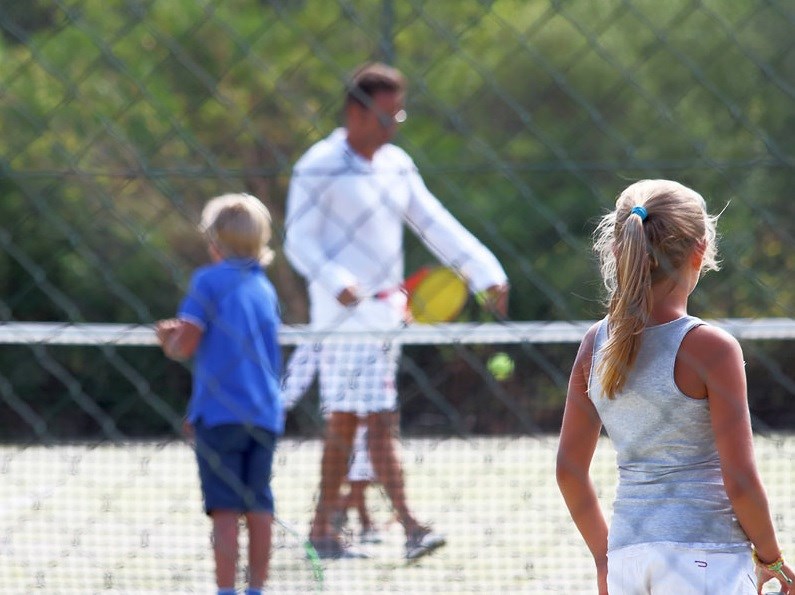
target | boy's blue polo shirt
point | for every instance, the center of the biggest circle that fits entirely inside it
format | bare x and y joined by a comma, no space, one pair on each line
237,366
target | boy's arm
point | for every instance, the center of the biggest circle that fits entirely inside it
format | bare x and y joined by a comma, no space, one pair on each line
178,338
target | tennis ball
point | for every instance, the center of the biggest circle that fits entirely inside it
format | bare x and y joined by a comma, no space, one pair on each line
500,365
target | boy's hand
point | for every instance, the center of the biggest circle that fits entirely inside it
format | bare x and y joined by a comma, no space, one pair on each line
164,329
179,338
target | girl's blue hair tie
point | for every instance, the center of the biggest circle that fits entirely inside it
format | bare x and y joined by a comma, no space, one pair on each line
640,212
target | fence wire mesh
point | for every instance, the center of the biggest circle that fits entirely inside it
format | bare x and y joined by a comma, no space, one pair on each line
121,118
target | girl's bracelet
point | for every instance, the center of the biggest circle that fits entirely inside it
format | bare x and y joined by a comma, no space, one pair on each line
775,566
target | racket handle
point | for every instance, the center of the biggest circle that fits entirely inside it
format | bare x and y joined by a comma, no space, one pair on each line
385,294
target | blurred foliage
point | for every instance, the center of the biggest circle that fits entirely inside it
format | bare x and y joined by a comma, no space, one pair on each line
121,117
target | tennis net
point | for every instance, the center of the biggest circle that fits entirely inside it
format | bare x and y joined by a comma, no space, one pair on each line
99,492
55,333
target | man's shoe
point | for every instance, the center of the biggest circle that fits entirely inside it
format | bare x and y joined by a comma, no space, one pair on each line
422,542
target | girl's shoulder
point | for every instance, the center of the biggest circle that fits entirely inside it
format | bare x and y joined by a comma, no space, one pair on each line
710,335
707,340
590,335
585,352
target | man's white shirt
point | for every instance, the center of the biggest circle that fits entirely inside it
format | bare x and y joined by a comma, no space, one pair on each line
344,227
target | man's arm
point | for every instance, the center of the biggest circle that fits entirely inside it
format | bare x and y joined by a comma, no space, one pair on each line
455,246
303,234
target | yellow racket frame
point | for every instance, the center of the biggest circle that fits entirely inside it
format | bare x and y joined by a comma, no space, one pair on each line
438,295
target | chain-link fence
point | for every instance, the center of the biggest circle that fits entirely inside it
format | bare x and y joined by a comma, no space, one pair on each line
120,119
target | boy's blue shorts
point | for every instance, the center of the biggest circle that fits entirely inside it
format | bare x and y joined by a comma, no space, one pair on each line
235,464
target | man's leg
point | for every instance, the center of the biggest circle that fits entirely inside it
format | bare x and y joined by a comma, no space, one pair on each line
382,428
340,428
383,431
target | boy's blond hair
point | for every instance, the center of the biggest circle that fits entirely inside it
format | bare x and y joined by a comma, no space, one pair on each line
238,226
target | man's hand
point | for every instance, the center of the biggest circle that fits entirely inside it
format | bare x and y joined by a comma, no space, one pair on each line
349,296
494,299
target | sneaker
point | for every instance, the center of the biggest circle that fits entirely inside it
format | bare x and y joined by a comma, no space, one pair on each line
370,535
422,542
331,549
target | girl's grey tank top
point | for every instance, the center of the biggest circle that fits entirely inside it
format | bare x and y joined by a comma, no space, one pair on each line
670,487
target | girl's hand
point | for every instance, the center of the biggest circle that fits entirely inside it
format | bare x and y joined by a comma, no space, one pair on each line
766,572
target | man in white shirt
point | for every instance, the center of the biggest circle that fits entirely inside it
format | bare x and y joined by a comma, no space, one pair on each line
349,199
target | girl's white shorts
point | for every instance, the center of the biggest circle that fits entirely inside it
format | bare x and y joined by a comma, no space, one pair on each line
681,569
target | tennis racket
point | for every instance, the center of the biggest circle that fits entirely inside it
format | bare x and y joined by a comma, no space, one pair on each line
434,294
295,566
